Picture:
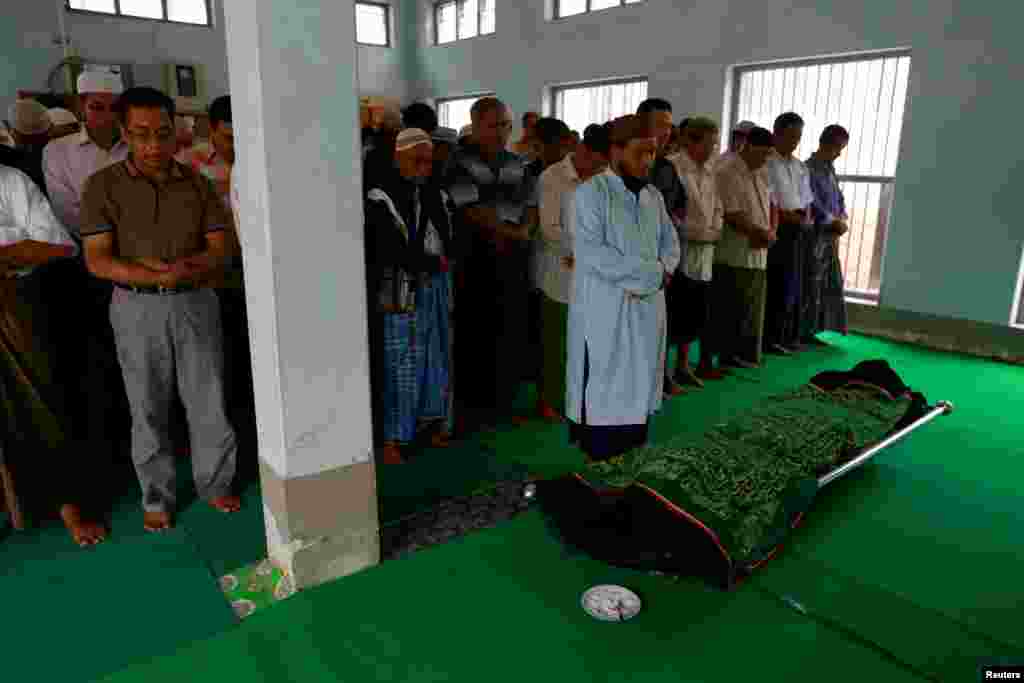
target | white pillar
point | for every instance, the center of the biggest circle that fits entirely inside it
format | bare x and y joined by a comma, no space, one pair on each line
292,67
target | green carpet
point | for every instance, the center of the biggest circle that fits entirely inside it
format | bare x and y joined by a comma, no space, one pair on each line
75,615
503,605
905,570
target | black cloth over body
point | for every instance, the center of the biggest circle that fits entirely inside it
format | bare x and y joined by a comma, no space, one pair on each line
689,301
785,279
603,442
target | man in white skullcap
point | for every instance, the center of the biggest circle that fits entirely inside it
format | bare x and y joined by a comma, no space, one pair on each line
64,122
101,419
30,129
408,235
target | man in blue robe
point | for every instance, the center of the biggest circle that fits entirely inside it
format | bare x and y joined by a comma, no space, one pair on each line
626,249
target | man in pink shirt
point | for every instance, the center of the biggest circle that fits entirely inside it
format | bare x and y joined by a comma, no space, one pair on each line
87,353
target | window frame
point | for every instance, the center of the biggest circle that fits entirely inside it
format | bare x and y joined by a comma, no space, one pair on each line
1017,308
479,15
387,21
557,9
554,90
438,101
887,184
163,3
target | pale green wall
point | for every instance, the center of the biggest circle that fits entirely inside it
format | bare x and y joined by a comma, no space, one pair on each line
956,241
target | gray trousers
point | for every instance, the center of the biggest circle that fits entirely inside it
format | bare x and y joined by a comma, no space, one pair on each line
172,345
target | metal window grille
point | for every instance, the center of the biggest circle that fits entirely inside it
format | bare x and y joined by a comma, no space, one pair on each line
570,8
461,19
581,105
867,96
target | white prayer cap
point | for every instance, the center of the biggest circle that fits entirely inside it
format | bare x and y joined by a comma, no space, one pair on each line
411,137
466,131
744,127
95,82
61,117
28,117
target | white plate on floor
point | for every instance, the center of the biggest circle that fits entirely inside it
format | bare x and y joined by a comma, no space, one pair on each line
610,603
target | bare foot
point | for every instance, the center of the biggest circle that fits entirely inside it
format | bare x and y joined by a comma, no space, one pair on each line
391,454
83,533
519,420
226,504
547,413
440,440
157,521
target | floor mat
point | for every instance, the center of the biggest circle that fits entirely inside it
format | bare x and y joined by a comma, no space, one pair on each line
74,614
503,605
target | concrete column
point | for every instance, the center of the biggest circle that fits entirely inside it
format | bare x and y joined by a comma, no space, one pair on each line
295,108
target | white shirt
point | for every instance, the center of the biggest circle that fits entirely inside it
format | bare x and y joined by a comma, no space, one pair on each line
25,214
67,164
790,181
747,192
557,186
704,215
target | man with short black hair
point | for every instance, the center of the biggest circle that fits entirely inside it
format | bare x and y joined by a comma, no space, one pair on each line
420,115
626,249
496,210
741,256
791,187
665,178
214,159
158,230
824,301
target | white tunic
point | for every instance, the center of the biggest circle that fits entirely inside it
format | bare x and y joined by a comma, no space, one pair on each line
624,245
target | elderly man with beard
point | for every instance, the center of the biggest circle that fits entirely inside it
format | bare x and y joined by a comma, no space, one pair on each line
626,249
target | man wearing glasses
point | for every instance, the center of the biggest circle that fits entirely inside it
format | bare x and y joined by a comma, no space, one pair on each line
159,232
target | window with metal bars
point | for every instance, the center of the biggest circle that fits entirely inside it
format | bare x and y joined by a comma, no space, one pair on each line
581,105
454,112
570,8
461,19
372,23
866,94
195,12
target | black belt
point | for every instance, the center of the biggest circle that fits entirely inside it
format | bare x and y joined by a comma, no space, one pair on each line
152,289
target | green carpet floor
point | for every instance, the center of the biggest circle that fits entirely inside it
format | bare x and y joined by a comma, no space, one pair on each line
906,570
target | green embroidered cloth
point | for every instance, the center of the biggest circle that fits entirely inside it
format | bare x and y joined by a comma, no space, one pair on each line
746,479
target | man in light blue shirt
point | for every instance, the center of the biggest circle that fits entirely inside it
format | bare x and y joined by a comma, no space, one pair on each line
626,250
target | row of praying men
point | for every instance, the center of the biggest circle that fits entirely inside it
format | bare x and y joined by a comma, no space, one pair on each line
118,269
577,262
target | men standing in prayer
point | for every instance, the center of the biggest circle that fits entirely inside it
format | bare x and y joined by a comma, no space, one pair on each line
494,196
157,229
824,303
737,140
86,349
33,450
741,256
552,142
703,228
408,230
527,144
31,127
215,158
791,186
666,180
626,248
557,187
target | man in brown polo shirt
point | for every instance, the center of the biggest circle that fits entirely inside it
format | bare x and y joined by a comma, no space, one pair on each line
159,231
